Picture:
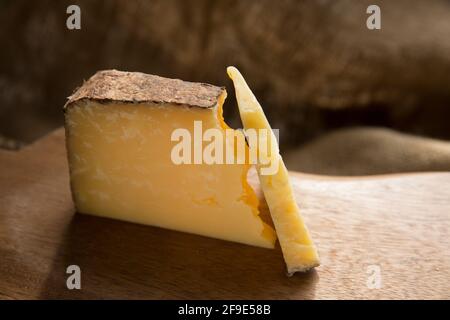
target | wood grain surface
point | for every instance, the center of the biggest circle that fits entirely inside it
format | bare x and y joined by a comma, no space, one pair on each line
396,224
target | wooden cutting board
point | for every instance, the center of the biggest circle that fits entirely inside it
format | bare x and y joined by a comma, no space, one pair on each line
394,229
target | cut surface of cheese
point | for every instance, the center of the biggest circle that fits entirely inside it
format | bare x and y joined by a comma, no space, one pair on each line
118,137
296,244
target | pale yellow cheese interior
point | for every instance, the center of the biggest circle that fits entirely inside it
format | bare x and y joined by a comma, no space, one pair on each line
296,244
121,168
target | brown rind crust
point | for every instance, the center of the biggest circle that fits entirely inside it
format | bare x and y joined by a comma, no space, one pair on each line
304,268
136,87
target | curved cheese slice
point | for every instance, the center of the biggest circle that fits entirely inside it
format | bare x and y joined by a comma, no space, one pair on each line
298,249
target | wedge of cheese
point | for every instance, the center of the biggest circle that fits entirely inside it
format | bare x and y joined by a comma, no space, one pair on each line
296,244
119,128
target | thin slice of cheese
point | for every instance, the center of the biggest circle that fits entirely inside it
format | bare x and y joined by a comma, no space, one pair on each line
296,244
118,130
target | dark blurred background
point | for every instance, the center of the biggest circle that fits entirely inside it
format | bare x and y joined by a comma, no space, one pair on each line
347,100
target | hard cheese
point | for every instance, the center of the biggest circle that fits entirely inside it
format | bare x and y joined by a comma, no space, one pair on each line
118,130
296,244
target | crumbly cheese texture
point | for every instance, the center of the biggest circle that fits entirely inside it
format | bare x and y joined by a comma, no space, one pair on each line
121,167
296,244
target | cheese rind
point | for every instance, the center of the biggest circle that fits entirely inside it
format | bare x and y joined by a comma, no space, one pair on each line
296,244
120,163
109,86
